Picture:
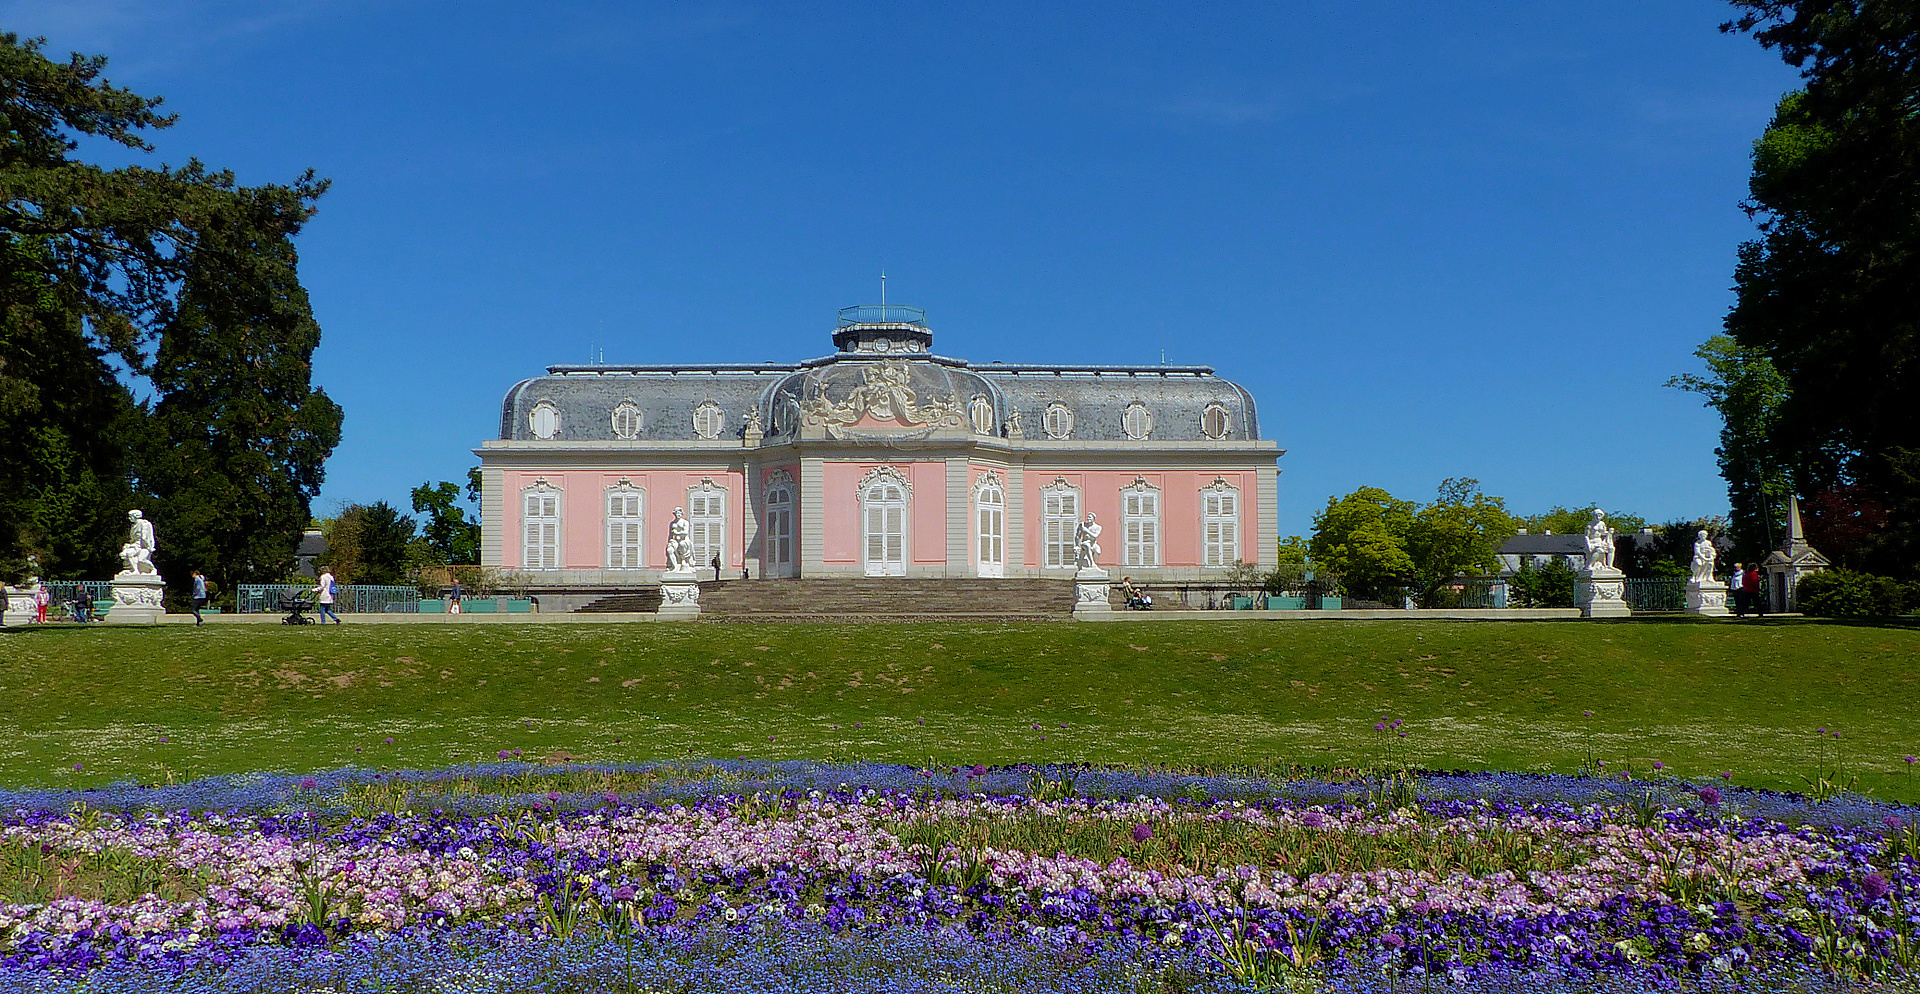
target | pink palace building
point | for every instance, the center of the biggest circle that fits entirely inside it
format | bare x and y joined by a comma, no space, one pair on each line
882,459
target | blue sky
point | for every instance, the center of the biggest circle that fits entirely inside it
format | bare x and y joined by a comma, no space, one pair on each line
1434,239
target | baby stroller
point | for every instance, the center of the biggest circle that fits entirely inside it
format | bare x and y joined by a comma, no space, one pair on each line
296,606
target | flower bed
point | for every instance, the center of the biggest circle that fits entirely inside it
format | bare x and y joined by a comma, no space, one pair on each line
658,877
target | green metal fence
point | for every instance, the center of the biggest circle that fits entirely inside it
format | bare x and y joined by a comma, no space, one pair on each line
1656,594
356,598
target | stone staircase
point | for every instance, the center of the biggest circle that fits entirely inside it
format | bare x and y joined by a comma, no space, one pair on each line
887,599
643,601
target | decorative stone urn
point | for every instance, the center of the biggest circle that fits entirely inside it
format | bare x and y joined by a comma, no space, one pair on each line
137,599
679,594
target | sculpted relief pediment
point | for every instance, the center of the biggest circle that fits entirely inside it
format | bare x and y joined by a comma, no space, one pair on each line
890,398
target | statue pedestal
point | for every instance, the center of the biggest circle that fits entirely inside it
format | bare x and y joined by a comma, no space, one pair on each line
1707,597
1602,593
1090,591
137,599
679,594
19,608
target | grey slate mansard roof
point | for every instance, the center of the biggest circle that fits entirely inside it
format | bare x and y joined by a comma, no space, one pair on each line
1098,396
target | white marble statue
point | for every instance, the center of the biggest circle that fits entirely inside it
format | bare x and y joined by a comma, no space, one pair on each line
1599,542
138,552
1704,555
679,543
1086,542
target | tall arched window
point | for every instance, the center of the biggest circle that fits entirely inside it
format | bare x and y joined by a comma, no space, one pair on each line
990,507
1140,524
540,526
626,539
1059,514
1220,524
883,521
707,523
778,552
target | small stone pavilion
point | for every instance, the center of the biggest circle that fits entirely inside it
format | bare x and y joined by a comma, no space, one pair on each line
880,459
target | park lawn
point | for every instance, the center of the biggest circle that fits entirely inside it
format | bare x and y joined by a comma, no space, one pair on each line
93,705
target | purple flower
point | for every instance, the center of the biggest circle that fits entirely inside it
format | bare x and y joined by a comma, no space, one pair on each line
1588,713
1892,822
1379,726
921,720
1874,886
1726,776
516,752
1658,765
309,783
1710,796
624,892
1819,731
612,798
1403,735
503,754
1312,819
978,770
76,766
389,740
1393,939
164,738
552,796
1396,722
1142,832
1909,758
1600,763
1836,735
1036,727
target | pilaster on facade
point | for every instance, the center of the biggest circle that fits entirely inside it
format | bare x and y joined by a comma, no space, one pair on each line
959,507
753,527
1269,518
492,515
1017,564
808,532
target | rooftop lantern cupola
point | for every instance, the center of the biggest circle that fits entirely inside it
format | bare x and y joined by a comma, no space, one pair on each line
883,329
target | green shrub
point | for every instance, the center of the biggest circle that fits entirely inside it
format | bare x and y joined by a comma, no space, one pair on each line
1551,585
1843,593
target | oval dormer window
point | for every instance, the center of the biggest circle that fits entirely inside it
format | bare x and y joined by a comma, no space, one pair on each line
1213,421
1137,422
980,413
1059,421
544,420
626,420
708,419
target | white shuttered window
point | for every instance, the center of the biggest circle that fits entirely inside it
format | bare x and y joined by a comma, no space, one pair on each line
707,521
1140,523
1220,525
626,548
1059,513
540,517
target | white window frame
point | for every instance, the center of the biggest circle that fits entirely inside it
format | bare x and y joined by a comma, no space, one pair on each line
1059,515
1136,422
885,476
707,523
1219,524
545,407
1216,409
541,538
980,415
709,420
777,545
631,413
626,526
1140,530
990,526
1058,421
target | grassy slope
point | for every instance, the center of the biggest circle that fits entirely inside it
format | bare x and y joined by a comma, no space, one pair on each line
1701,697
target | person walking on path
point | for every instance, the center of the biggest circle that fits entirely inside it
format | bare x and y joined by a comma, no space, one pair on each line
1750,582
453,598
325,598
199,597
1738,582
42,597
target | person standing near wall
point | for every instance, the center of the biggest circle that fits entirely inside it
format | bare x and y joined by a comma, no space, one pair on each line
325,598
199,597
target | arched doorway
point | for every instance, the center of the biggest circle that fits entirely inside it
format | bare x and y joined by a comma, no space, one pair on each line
991,534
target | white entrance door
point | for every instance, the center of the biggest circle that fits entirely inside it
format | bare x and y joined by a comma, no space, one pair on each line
884,511
992,517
